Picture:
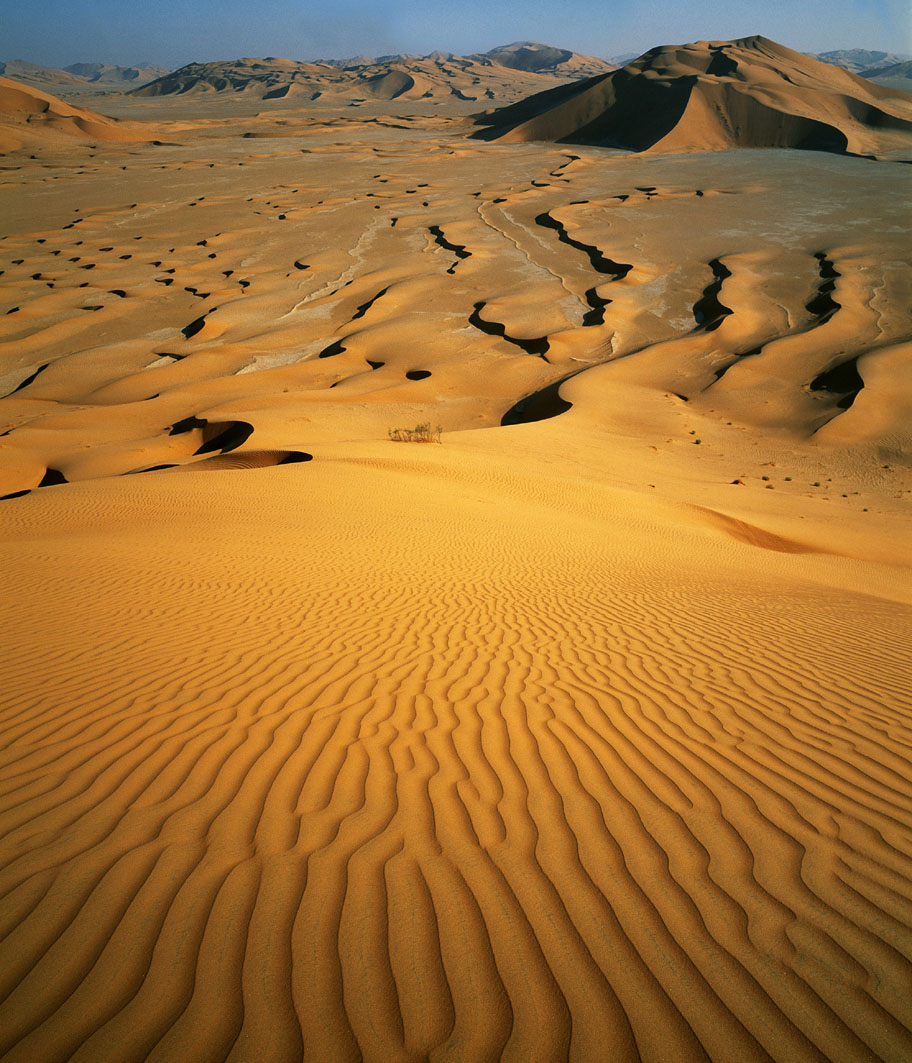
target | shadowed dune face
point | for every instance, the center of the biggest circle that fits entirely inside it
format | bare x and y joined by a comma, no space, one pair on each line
749,93
583,734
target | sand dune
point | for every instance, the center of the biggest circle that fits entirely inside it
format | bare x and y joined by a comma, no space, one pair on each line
749,93
440,76
544,58
108,74
78,78
583,734
29,116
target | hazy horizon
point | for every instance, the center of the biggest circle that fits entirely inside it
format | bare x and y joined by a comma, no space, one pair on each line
177,32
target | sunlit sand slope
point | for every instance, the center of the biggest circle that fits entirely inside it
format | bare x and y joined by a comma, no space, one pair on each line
417,753
31,118
584,734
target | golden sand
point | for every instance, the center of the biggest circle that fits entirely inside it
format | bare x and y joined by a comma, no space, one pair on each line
580,738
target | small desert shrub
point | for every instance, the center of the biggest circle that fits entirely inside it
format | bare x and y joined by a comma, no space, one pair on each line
421,433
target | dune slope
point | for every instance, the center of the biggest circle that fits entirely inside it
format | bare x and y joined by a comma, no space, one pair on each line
750,93
29,116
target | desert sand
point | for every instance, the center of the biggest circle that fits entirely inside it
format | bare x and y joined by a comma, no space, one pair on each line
716,95
583,734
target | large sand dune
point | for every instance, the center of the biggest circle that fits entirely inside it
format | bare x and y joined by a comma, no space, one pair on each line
439,76
750,93
584,734
30,117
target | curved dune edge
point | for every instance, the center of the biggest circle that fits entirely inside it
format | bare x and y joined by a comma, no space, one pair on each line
497,783
29,116
753,535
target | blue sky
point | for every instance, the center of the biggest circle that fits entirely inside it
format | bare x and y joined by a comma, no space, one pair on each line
173,32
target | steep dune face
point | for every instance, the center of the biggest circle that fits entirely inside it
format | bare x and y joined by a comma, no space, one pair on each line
29,116
749,93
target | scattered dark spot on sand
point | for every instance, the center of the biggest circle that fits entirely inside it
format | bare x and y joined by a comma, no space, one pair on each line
537,346
364,307
224,436
332,350
539,406
188,424
52,477
708,312
194,327
843,380
617,270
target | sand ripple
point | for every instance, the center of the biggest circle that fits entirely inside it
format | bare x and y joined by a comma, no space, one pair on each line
517,808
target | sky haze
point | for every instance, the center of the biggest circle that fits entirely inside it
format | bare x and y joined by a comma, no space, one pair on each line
172,33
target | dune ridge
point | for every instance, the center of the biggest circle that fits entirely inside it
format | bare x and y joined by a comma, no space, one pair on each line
710,96
439,76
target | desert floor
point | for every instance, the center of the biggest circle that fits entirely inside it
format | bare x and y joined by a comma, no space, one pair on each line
585,737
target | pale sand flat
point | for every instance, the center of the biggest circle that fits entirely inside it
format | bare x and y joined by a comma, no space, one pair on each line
577,738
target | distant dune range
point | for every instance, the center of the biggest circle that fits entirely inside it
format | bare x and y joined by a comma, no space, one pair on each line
582,735
79,77
749,93
509,72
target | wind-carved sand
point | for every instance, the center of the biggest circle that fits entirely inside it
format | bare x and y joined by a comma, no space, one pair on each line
582,735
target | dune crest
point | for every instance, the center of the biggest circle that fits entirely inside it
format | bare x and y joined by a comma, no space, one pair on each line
503,74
